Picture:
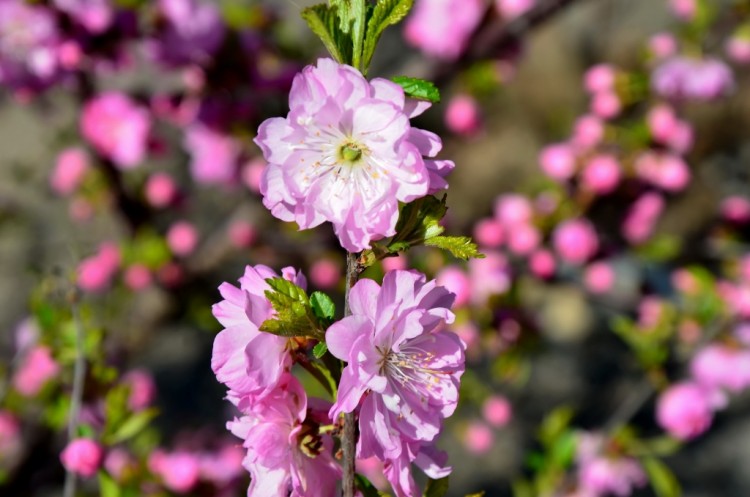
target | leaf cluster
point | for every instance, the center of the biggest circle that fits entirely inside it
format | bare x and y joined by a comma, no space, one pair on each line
297,314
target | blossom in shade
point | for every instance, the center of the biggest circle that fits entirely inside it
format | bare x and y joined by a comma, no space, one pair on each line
213,155
662,45
736,209
10,436
718,366
642,217
35,370
685,410
441,28
693,79
117,128
395,348
346,153
600,78
575,240
28,45
193,31
82,456
94,15
160,190
599,277
285,450
246,360
619,476
478,438
142,389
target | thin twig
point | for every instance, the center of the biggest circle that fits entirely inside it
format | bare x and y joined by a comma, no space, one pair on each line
79,374
349,435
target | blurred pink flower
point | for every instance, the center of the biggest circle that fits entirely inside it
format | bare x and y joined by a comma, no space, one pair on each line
179,471
462,115
513,209
37,368
600,78
82,456
510,9
736,209
575,240
478,438
523,239
497,411
489,276
606,104
94,15
325,273
588,131
456,281
642,217
737,48
667,171
558,161
489,233
684,410
70,168
542,264
599,277
604,476
693,79
182,238
442,28
662,45
117,128
252,172
601,174
142,389
242,234
684,9
160,190
213,154
10,436
137,277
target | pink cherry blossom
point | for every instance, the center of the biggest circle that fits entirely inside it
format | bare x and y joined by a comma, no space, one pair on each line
242,234
246,360
213,154
396,350
642,217
137,277
442,28
95,273
489,276
513,209
497,411
478,438
94,15
457,282
117,128
575,240
346,153
601,174
179,471
684,9
738,49
694,79
558,161
70,168
142,389
82,456
720,367
606,104
588,132
325,273
285,451
462,116
662,45
182,238
542,264
35,370
118,462
252,174
489,233
736,209
523,239
599,277
600,78
160,190
684,410
611,476
667,171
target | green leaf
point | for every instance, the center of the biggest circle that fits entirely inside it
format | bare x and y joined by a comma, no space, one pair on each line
294,314
436,488
662,479
418,88
476,494
385,13
555,425
322,306
420,220
132,426
108,486
320,350
325,23
352,21
462,247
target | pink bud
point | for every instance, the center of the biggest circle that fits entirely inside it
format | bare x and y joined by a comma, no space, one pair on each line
70,55
601,174
662,45
252,173
96,272
684,281
606,105
325,273
182,238
510,9
489,233
588,132
70,168
599,78
462,115
736,209
575,240
684,9
137,277
513,209
662,122
82,456
142,389
542,264
641,219
242,234
456,281
497,411
684,410
558,161
161,190
650,312
36,369
523,239
478,438
599,277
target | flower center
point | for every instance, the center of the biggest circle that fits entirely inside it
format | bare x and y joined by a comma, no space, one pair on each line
310,441
350,152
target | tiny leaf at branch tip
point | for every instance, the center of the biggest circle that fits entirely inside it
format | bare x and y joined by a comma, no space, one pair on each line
461,247
320,350
322,306
418,88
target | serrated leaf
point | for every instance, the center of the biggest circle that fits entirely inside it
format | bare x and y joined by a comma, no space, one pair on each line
322,306
132,426
320,350
418,88
294,314
325,23
661,477
108,487
461,247
385,13
420,220
437,488
353,22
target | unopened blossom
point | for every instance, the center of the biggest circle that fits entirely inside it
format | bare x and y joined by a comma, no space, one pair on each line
523,239
82,456
642,217
346,153
558,161
497,411
601,174
94,15
489,233
246,360
600,78
160,190
193,31
182,238
736,209
285,451
737,48
117,127
242,234
213,154
542,264
718,366
513,209
442,28
137,277
397,351
28,45
599,277
606,104
685,410
588,131
575,240
478,438
611,476
693,79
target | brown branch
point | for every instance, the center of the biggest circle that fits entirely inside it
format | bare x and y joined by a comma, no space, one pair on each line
349,435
